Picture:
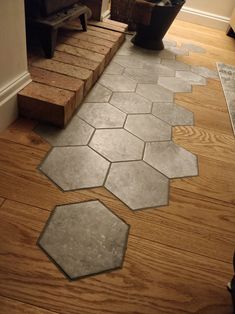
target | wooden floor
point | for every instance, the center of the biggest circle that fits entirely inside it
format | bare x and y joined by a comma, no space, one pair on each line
179,258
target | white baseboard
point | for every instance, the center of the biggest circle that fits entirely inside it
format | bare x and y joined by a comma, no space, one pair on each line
8,99
203,18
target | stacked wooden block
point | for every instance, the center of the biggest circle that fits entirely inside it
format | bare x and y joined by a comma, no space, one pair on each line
60,84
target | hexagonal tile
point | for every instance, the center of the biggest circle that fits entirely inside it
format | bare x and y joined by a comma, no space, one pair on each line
118,83
160,70
114,68
141,75
175,84
154,92
172,114
171,159
102,115
131,103
117,145
148,128
77,132
98,93
166,54
137,185
75,167
84,239
176,65
194,48
205,72
179,51
169,43
191,78
138,60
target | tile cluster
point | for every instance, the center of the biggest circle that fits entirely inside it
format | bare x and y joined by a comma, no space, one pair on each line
121,138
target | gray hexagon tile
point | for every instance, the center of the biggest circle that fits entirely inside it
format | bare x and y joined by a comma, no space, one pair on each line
179,51
114,68
148,128
84,239
117,145
173,114
154,92
176,65
175,84
191,78
74,168
102,115
205,72
193,48
171,159
118,83
138,60
77,132
165,54
169,43
98,93
160,70
131,103
141,75
137,185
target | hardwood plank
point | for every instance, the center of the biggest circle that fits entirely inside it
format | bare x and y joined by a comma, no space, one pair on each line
1,201
205,142
115,28
21,132
16,307
194,283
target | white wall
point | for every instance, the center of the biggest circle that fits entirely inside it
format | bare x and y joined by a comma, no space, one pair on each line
213,13
13,58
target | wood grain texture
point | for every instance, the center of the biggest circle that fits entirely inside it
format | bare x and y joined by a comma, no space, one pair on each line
16,307
145,284
1,201
179,257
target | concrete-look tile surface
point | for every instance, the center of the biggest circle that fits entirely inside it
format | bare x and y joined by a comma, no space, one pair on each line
118,83
85,239
77,132
172,114
117,145
141,75
193,48
154,92
191,78
98,93
137,185
131,103
138,60
74,168
175,84
148,128
114,68
205,72
176,65
160,69
102,115
179,51
171,159
169,43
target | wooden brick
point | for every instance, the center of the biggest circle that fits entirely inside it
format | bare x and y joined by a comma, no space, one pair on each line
58,80
80,62
108,26
67,69
91,39
110,33
46,103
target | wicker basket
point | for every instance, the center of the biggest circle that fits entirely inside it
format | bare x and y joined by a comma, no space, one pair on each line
121,11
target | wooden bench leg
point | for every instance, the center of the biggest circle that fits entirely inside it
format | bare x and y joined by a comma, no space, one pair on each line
83,20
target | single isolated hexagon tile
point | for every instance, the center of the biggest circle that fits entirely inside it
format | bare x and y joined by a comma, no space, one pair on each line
98,93
102,115
74,168
171,159
141,75
175,84
154,92
193,48
131,103
85,239
118,83
137,185
176,65
114,68
191,78
205,72
173,114
117,145
148,128
77,132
